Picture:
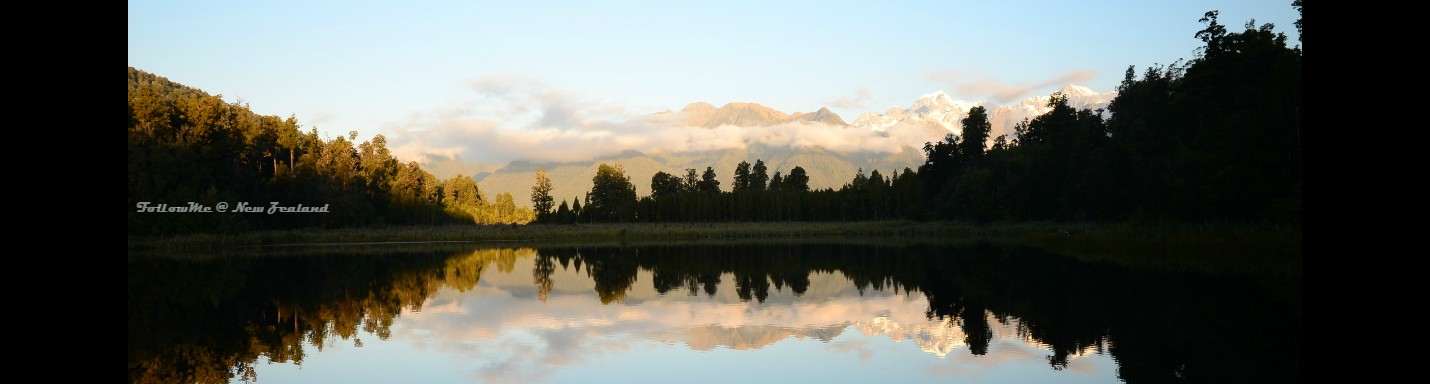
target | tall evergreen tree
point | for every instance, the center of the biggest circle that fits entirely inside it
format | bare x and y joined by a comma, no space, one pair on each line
541,199
759,176
975,133
742,177
797,180
708,183
563,214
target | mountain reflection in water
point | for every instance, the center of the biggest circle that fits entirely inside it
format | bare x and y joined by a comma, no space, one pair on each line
524,314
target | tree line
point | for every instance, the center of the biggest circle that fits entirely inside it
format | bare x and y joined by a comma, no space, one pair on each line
188,146
1214,138
755,196
1217,137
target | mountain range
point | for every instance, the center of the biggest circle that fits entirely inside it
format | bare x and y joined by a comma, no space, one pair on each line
938,109
931,116
826,169
739,114
826,309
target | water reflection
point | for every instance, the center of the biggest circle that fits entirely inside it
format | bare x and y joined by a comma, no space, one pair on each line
537,314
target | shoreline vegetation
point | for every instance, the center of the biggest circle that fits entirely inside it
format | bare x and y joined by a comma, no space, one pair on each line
1150,179
1153,152
1203,245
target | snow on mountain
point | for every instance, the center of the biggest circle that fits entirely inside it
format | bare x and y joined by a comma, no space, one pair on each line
938,109
934,108
1004,118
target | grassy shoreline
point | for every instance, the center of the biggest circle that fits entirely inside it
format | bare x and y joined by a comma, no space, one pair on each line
570,234
1211,246
1210,232
1132,241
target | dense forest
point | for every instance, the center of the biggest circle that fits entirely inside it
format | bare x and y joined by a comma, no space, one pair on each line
1214,138
186,146
1217,137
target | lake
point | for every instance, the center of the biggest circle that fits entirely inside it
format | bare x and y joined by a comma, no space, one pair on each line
697,313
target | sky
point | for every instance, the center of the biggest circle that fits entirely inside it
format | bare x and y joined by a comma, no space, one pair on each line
464,77
498,332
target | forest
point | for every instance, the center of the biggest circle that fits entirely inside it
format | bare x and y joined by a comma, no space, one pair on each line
186,146
1216,137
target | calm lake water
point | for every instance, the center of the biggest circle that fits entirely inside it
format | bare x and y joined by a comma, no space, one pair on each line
974,313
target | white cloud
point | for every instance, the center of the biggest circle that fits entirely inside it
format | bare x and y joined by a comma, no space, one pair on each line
517,339
515,117
976,83
861,97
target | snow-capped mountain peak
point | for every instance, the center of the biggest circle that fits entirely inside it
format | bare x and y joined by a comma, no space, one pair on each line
1074,89
938,109
939,102
936,95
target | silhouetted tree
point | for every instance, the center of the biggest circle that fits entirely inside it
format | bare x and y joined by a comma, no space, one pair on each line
563,214
797,180
759,176
692,182
742,177
1297,4
664,185
975,133
612,197
708,183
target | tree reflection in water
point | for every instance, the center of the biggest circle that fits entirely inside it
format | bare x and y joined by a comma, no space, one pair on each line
201,321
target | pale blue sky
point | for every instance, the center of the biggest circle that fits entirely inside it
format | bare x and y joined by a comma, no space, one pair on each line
380,67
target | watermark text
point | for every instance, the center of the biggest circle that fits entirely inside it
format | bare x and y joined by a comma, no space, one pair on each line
273,207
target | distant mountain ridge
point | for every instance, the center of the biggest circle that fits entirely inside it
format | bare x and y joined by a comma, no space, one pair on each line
1004,118
823,115
931,114
935,108
742,114
826,169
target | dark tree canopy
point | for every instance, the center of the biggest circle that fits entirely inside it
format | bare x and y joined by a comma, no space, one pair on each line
1213,138
1216,137
759,176
742,177
975,132
664,184
708,183
186,146
797,180
612,197
691,182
